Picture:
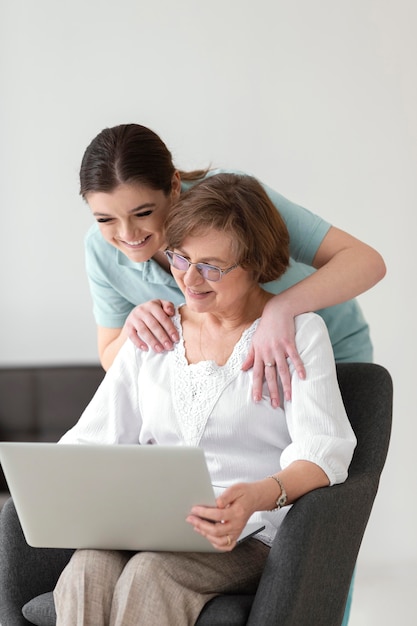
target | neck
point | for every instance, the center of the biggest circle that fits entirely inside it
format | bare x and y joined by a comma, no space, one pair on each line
212,336
243,313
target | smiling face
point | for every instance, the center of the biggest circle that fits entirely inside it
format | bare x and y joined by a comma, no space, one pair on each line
227,297
131,218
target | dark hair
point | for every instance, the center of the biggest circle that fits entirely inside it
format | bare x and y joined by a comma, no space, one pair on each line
239,206
128,154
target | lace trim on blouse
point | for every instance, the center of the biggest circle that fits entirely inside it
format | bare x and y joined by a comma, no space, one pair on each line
196,387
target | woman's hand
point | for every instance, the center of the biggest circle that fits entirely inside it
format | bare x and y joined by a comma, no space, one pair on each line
149,324
273,342
223,525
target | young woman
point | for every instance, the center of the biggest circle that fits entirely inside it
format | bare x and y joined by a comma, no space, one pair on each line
224,238
130,183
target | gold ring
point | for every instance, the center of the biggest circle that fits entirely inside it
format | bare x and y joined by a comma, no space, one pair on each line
270,364
229,541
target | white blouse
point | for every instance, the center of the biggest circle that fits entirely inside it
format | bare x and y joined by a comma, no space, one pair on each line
158,398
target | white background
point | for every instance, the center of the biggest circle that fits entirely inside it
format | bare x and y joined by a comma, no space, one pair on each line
318,98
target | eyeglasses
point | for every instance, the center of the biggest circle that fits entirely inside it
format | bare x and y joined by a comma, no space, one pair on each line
207,271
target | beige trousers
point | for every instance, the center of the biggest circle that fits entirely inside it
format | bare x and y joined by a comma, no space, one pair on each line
114,588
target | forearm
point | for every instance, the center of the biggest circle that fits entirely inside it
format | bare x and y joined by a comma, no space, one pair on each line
346,267
109,340
298,479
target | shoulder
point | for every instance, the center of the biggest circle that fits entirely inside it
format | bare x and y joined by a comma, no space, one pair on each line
311,334
94,240
92,233
130,360
97,249
309,322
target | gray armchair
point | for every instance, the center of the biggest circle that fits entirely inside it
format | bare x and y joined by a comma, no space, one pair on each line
308,572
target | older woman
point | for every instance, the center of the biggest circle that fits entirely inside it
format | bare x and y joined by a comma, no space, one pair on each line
224,238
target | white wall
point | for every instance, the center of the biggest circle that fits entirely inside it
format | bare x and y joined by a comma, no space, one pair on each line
317,98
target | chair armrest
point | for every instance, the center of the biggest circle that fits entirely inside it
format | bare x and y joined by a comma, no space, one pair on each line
307,576
25,572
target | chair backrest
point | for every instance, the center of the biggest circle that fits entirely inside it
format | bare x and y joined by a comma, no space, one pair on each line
367,393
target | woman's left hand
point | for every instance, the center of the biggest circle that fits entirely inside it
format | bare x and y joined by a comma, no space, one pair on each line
273,342
223,525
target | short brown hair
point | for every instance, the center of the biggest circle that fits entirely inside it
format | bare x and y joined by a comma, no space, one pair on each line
239,206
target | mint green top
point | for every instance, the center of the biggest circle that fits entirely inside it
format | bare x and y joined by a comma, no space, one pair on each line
118,284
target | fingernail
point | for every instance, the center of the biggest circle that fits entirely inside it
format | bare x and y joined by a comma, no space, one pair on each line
174,337
168,345
158,348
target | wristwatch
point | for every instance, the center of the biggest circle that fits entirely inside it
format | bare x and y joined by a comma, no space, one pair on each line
282,498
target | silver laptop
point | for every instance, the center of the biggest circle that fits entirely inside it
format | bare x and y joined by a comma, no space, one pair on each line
126,497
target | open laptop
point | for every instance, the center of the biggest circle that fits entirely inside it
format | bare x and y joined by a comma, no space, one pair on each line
126,497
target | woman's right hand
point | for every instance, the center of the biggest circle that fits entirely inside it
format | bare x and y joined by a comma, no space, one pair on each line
149,325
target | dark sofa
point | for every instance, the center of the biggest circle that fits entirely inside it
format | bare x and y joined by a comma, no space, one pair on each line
42,403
